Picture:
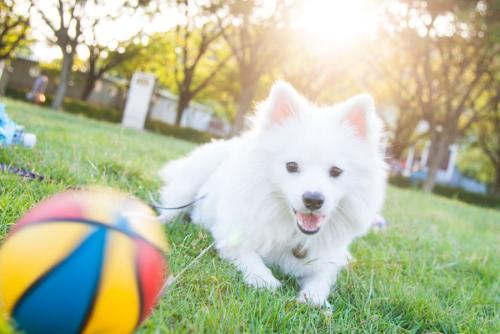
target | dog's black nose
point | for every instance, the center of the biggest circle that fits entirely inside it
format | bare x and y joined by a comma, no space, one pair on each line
313,200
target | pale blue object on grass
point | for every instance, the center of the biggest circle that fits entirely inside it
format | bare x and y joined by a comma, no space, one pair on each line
7,127
12,133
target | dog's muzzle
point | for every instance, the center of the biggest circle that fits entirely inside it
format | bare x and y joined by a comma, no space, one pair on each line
308,222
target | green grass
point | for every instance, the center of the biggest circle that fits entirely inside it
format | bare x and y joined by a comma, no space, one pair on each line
112,115
436,269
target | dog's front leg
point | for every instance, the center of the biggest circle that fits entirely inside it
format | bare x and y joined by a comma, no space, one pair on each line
316,288
254,270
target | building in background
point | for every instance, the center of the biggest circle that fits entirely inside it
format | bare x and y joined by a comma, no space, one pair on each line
416,165
111,92
197,116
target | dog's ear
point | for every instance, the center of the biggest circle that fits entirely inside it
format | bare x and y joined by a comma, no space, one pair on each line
359,113
283,102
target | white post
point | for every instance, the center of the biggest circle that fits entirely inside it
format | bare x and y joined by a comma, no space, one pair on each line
3,77
139,98
451,162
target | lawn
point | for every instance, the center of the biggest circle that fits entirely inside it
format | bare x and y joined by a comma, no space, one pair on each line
436,269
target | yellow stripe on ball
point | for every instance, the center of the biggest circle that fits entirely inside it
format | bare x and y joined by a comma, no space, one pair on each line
118,295
21,262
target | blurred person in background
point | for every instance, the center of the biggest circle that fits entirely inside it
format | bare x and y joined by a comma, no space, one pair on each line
37,93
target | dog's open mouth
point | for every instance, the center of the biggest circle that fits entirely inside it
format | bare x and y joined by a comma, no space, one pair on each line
308,222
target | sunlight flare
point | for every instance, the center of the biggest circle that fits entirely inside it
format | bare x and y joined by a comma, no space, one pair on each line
336,21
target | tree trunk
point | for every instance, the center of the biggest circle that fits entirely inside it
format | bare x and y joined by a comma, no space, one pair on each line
244,105
64,78
401,140
4,77
182,105
496,186
90,82
396,150
437,152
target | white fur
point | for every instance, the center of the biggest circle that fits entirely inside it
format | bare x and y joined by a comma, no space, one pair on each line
250,194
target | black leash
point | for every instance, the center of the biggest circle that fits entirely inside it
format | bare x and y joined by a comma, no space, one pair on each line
21,172
34,176
178,207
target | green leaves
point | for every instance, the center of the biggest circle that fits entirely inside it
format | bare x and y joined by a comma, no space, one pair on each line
14,26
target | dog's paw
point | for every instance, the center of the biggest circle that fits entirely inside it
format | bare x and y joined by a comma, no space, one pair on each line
314,298
262,281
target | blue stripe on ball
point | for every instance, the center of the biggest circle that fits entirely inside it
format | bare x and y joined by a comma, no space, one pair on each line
61,300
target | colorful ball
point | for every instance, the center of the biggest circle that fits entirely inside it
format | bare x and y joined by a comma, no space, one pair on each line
86,261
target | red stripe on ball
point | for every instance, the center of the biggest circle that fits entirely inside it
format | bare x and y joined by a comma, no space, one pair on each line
64,205
152,271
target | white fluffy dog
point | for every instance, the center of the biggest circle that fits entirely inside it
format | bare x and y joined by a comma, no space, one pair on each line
293,191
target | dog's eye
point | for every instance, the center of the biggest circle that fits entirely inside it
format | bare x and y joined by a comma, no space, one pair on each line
292,167
335,171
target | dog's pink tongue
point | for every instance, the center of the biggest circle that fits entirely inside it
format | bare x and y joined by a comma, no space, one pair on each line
309,221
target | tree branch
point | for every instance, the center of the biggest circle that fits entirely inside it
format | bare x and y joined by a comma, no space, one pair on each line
209,78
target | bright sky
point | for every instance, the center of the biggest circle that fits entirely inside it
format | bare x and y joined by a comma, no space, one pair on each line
331,22
122,29
338,21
